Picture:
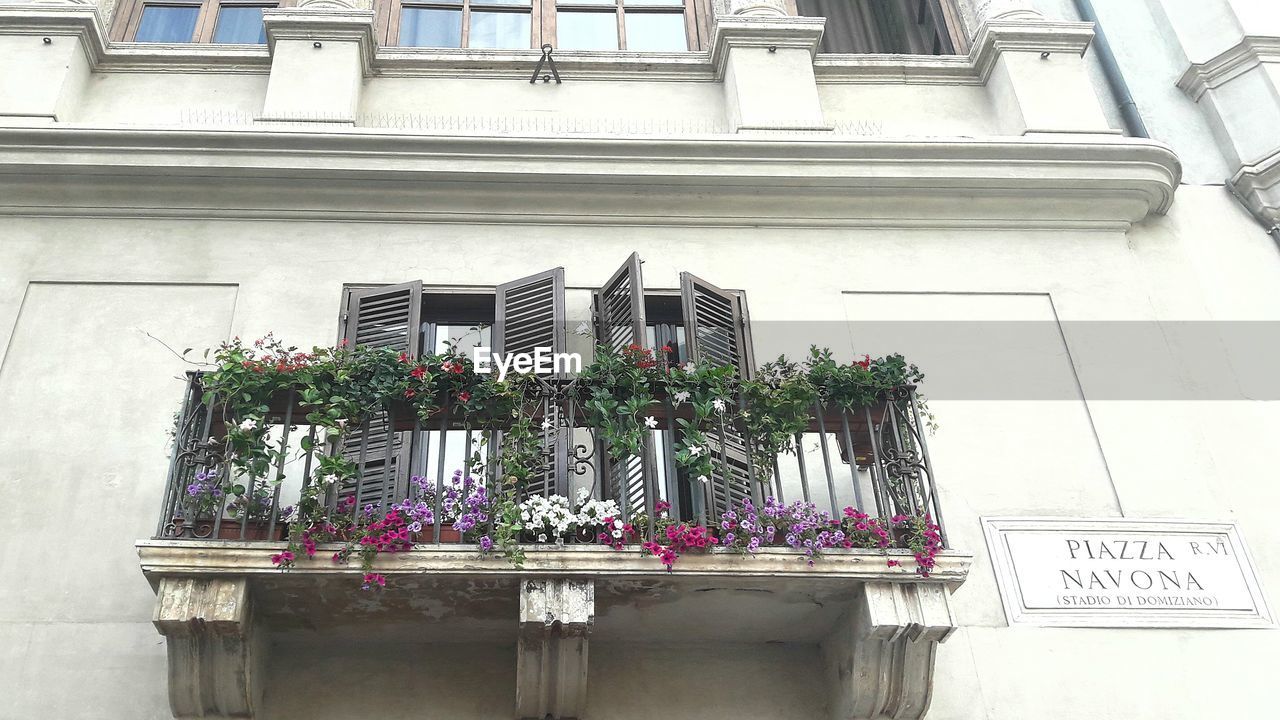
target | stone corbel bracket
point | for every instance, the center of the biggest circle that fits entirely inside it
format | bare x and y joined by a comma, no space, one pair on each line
213,654
879,661
556,617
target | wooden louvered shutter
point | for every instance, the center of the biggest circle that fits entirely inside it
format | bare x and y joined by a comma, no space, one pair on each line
390,317
529,314
620,322
716,331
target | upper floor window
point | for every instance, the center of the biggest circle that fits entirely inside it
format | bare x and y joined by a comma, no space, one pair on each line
906,27
184,21
638,25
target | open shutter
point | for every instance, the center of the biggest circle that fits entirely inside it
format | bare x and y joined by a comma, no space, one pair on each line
716,331
529,314
390,317
620,321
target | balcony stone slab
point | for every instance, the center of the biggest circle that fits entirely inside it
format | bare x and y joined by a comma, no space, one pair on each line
876,626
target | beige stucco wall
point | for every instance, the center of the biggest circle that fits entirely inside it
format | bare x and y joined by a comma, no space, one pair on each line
88,389
89,397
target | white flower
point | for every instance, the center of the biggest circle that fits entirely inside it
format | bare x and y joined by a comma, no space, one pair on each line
617,533
247,425
651,422
695,450
617,523
547,424
689,367
718,404
583,329
703,479
542,537
682,396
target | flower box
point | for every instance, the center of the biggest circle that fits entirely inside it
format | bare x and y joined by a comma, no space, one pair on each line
231,529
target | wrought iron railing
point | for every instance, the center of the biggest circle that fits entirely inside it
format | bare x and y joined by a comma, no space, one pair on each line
874,458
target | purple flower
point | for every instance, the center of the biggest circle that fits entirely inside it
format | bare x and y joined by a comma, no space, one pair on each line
486,543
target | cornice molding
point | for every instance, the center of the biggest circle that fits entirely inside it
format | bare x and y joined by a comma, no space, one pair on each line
715,180
1033,36
1258,185
1249,53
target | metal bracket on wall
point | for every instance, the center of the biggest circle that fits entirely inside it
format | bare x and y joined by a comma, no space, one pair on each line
551,64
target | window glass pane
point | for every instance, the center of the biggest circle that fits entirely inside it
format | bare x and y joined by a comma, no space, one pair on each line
586,2
587,30
499,29
656,31
240,25
430,27
479,3
167,23
668,3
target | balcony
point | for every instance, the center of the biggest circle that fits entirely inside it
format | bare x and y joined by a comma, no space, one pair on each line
693,560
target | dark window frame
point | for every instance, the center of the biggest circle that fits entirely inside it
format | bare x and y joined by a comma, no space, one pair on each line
128,16
543,15
947,15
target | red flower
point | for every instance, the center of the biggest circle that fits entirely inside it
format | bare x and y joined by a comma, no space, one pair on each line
464,396
666,348
409,393
864,363
404,357
418,372
344,343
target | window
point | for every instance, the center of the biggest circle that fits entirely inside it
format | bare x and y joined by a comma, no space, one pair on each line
906,27
186,21
637,25
699,321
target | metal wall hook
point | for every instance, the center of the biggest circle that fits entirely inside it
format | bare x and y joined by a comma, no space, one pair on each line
551,64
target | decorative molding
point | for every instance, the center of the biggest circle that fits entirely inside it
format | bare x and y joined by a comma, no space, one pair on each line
213,652
1039,36
803,33
1251,52
1258,186
518,64
758,8
880,659
183,558
796,180
995,37
556,618
320,22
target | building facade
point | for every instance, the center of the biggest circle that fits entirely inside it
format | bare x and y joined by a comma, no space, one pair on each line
1072,233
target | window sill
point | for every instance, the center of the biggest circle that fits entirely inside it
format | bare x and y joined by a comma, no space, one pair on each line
576,64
